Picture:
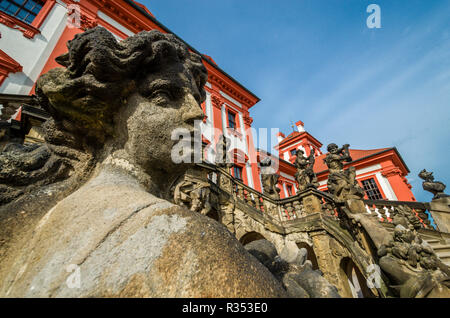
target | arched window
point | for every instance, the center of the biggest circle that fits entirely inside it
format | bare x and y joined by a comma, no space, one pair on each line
354,281
250,237
213,214
311,255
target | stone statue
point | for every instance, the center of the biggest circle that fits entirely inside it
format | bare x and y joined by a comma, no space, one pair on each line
435,187
412,266
305,175
269,179
405,216
193,191
293,269
342,183
88,213
223,159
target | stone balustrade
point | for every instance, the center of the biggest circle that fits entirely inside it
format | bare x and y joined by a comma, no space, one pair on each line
386,211
314,201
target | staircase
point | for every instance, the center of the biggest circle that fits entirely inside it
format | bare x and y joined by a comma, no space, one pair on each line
441,248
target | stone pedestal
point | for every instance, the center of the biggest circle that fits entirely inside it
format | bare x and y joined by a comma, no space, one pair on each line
312,204
440,211
328,260
355,206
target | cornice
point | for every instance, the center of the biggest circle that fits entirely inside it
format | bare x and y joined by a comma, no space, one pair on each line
229,89
8,64
27,30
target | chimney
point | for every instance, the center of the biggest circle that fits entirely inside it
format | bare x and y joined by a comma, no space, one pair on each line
300,126
280,136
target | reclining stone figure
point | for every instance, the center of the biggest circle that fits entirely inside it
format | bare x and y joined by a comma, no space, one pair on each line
293,269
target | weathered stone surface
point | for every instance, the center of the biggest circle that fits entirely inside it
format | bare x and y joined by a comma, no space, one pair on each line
342,183
412,266
114,107
435,187
293,270
314,283
128,243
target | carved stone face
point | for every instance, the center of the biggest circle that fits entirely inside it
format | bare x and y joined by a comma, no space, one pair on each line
163,101
332,148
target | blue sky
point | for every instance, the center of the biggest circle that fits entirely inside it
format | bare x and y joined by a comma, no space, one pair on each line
317,61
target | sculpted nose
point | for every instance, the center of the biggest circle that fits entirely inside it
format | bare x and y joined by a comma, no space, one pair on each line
193,111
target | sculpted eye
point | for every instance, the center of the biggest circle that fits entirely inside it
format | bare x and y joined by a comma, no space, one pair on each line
162,93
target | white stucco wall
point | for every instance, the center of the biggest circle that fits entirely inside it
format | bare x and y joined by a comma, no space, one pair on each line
32,54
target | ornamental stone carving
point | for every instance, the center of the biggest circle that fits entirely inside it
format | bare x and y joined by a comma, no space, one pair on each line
435,187
412,266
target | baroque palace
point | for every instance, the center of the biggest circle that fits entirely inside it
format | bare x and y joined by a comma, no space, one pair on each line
330,210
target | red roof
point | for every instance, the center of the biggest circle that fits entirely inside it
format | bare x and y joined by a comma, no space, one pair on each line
144,7
291,135
356,154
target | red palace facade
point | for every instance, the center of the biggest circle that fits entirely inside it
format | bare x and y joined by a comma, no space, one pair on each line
34,32
380,172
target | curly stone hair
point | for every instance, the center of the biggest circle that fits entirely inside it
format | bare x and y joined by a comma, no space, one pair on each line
101,72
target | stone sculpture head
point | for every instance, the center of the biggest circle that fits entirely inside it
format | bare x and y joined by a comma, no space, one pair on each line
120,101
332,148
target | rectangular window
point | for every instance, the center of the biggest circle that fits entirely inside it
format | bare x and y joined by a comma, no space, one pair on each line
238,172
232,120
25,10
293,152
371,189
289,189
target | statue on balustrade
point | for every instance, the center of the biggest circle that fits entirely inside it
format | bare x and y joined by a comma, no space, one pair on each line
223,158
342,183
269,178
413,268
405,216
435,187
193,191
305,175
96,196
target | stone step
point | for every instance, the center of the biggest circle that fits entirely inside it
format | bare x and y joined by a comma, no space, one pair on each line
444,255
441,247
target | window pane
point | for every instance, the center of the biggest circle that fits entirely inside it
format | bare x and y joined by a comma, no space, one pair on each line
22,14
371,189
37,8
4,4
238,173
30,4
30,18
231,120
12,9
